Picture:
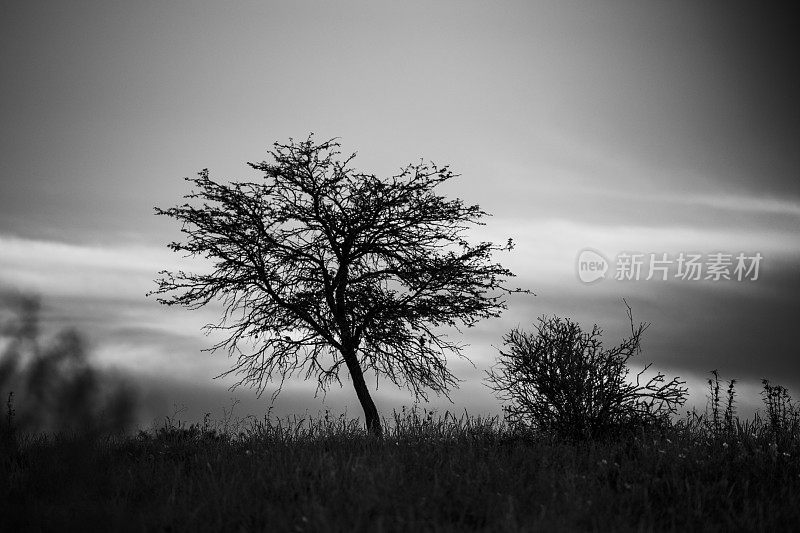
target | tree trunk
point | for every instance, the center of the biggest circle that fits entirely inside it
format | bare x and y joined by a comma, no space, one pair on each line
370,411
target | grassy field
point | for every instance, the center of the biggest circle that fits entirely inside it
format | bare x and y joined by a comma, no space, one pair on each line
430,473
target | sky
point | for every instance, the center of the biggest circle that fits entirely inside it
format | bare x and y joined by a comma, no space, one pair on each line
621,127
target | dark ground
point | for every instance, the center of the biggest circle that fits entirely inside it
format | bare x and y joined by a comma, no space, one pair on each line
428,474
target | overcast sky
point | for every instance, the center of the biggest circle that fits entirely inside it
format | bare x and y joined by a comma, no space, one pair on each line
637,127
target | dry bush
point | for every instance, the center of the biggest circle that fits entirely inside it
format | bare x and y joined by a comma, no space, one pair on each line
560,378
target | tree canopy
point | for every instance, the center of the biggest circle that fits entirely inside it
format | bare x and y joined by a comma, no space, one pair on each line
319,267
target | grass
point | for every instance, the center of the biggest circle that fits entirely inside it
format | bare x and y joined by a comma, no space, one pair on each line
430,473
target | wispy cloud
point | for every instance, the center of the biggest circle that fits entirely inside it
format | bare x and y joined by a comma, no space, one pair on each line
750,205
547,249
55,268
102,290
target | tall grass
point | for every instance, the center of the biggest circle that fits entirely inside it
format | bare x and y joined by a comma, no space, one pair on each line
431,472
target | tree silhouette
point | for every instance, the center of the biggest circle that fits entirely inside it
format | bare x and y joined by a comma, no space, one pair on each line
56,385
560,378
321,267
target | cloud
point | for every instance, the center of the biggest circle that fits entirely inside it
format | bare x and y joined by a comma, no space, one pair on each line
101,290
547,249
697,326
664,200
125,271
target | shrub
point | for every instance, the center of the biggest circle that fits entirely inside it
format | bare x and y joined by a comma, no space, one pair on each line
561,379
720,422
783,415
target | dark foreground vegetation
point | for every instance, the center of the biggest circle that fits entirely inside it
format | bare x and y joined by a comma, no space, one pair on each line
710,472
585,445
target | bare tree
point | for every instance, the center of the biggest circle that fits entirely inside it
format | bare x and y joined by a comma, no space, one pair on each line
560,378
321,267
